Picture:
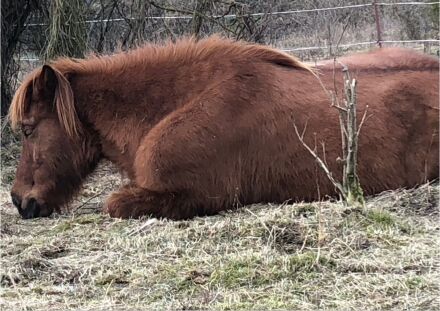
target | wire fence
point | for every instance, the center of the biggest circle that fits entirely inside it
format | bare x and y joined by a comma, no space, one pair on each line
309,48
374,5
353,6
359,43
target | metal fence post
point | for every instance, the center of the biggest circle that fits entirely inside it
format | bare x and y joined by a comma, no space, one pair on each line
377,18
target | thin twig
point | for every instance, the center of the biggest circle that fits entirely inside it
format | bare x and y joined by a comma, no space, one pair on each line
321,164
335,89
364,118
304,130
90,199
341,109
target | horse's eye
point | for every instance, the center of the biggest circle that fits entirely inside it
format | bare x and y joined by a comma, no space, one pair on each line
27,130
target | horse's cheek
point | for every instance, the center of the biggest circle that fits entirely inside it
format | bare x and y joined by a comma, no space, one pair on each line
42,179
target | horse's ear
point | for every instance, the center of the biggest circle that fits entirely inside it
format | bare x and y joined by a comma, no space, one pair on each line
47,81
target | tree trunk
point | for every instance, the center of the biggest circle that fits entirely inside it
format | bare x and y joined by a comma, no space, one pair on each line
67,30
14,14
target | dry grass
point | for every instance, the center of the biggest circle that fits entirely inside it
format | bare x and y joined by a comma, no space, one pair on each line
301,256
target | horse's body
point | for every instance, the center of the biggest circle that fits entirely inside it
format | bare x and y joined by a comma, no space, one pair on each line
199,127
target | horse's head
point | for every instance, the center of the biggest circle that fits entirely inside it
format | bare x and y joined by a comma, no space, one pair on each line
57,151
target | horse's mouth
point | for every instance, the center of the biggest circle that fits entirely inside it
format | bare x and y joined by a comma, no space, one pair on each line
30,208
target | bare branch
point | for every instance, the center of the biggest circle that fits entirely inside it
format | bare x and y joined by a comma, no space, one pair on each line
304,130
341,109
364,118
321,164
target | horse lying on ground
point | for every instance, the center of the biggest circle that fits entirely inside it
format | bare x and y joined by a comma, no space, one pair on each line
201,126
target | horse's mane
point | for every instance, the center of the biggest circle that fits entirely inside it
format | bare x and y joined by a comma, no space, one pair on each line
185,50
182,51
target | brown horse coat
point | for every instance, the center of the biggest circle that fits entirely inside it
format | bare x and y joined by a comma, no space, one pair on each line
202,126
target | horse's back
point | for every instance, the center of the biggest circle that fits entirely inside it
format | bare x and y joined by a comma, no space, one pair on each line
236,140
398,142
392,58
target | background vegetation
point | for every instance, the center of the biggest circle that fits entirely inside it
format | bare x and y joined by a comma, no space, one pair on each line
41,29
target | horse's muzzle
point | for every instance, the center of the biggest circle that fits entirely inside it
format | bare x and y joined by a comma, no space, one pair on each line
30,208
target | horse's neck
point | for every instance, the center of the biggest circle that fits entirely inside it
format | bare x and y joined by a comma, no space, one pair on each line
122,111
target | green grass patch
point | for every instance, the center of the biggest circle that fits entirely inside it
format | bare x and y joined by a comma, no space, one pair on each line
255,271
380,218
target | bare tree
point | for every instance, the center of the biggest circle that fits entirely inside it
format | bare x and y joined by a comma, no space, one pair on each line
14,15
67,29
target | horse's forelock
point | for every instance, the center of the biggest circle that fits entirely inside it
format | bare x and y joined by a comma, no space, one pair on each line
19,101
63,101
65,106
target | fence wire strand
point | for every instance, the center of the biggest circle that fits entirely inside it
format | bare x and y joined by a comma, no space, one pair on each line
357,43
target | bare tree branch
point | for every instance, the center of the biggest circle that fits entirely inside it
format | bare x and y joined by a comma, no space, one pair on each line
320,163
365,117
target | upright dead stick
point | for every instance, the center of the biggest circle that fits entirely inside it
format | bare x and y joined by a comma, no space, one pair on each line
350,189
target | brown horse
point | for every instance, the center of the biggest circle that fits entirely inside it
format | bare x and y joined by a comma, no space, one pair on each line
200,127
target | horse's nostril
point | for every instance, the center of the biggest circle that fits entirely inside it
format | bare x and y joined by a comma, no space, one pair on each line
31,210
16,200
